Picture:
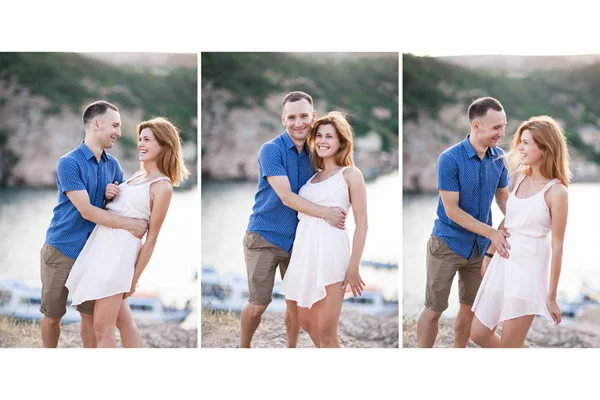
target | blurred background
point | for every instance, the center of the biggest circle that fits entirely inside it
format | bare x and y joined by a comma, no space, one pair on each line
42,97
436,94
241,109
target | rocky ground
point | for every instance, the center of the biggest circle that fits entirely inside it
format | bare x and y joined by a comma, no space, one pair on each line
583,332
355,330
154,335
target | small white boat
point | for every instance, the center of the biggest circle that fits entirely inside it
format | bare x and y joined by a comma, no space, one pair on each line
21,301
230,293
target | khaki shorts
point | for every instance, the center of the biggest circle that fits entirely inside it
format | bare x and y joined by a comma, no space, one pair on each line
442,265
262,259
54,272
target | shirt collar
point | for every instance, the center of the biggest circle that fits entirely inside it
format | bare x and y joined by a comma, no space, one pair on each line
289,143
88,153
471,151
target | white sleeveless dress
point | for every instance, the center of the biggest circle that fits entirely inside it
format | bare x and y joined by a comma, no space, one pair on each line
518,286
321,253
106,264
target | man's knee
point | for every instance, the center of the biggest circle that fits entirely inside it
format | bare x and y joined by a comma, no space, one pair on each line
52,322
255,311
430,317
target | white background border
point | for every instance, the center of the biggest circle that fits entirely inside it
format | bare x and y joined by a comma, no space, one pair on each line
508,27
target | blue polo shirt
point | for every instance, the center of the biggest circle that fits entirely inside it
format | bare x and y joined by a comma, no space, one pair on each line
79,170
459,169
270,217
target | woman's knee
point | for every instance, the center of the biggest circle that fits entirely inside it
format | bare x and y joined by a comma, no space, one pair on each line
103,329
328,333
480,336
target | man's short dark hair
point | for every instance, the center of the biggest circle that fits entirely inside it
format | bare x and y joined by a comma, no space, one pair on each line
480,107
296,96
95,109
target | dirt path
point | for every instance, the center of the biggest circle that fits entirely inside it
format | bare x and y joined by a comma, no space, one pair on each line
541,334
221,330
154,335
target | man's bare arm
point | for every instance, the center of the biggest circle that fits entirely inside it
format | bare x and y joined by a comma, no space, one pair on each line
81,201
334,216
467,221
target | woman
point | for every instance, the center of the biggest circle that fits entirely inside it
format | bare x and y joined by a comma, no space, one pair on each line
517,288
322,265
110,264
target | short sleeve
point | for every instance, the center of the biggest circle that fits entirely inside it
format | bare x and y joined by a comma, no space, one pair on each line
270,161
447,173
118,172
503,178
68,175
503,182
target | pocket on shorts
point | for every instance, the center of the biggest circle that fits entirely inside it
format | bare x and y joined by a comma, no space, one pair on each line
250,239
435,245
49,255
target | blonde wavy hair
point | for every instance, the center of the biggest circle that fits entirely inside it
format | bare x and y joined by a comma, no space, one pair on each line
550,138
170,160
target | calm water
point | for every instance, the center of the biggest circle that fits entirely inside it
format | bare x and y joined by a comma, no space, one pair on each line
26,213
579,264
226,208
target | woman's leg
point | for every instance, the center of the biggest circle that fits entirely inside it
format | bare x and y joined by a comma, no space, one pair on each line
328,315
105,320
515,330
130,334
308,322
482,335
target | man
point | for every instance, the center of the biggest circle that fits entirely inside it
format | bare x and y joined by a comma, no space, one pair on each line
470,174
284,167
82,176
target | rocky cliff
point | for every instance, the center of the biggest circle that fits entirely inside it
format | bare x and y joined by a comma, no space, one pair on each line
241,106
41,122
436,96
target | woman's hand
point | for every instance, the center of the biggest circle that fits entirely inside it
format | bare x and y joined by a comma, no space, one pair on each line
354,280
131,291
112,189
555,311
485,264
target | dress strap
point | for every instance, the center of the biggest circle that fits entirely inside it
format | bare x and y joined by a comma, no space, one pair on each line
519,180
137,174
550,184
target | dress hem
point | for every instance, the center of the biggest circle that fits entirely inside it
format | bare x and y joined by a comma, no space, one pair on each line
513,317
319,288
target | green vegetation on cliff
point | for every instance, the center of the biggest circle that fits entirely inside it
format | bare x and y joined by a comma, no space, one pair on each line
73,80
567,94
354,84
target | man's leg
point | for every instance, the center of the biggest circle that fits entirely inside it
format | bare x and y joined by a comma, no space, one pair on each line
250,320
55,268
50,331
469,279
86,329
441,268
462,326
427,327
261,265
292,320
292,323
